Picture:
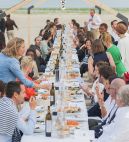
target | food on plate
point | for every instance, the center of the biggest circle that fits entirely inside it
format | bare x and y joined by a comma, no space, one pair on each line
72,109
72,123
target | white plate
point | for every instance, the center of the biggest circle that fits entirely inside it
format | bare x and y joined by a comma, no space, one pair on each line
42,91
39,129
39,108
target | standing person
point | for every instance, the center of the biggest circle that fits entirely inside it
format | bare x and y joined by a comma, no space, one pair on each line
123,43
115,52
57,23
2,31
9,63
113,31
10,24
94,23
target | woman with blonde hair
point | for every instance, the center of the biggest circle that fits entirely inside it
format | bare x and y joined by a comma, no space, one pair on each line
26,67
115,52
9,63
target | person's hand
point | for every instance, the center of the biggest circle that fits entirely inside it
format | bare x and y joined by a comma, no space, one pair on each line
38,53
83,86
36,86
46,86
32,103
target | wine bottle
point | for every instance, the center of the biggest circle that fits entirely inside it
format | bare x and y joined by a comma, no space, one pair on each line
52,95
48,123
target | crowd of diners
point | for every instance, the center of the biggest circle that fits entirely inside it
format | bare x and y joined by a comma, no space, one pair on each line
103,55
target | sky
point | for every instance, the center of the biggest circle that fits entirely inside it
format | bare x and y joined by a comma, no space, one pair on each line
69,3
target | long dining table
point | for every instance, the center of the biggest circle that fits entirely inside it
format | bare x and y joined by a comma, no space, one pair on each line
74,98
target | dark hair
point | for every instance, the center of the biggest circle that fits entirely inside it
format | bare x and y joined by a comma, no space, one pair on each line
8,15
11,88
92,10
31,50
101,63
47,35
77,25
49,26
90,35
88,40
47,20
2,88
55,19
106,71
97,46
113,22
104,25
73,21
36,38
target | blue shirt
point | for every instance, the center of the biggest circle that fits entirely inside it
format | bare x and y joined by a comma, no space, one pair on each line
10,70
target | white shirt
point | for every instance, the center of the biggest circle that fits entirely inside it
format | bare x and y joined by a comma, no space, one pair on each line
101,88
123,45
26,127
114,35
109,104
117,131
95,19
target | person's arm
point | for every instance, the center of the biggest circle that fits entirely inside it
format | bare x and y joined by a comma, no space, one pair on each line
90,66
100,97
111,61
15,24
14,67
27,127
122,50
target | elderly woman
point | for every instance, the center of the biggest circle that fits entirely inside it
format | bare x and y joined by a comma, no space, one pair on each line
99,54
115,52
9,63
119,130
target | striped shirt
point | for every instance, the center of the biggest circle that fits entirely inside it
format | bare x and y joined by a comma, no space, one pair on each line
8,116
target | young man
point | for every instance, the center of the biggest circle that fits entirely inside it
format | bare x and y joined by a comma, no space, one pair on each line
10,24
10,121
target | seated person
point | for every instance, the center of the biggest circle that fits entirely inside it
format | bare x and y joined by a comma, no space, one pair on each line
83,55
118,130
26,67
11,123
39,60
45,49
34,74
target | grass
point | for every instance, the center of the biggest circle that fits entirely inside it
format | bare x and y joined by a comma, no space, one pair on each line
69,10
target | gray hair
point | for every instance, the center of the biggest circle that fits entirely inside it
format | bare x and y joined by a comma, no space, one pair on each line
123,93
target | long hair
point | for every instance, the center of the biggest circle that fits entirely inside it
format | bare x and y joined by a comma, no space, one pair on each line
12,47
